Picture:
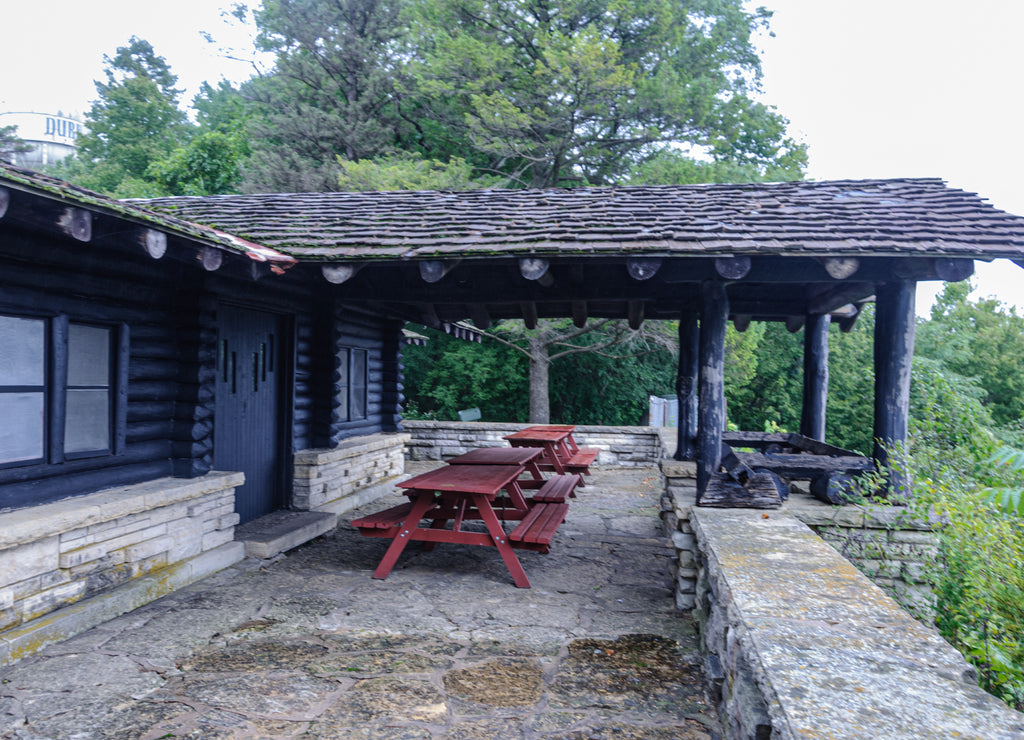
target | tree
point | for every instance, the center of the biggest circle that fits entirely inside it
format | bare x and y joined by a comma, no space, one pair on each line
578,92
330,94
10,144
408,171
134,122
210,164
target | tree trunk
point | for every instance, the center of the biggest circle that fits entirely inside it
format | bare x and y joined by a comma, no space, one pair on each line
540,365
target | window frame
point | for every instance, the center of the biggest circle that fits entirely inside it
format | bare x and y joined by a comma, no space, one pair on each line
349,388
55,388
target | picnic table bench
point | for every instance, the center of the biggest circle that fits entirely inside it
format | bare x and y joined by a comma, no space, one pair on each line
561,453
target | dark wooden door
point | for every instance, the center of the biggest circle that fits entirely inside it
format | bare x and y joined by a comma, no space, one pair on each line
248,423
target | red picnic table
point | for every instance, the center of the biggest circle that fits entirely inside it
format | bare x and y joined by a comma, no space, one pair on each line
552,490
460,493
561,453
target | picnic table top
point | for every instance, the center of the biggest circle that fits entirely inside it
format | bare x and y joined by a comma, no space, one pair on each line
487,479
541,434
498,456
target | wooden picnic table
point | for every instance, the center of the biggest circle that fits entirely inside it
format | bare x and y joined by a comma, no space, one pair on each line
526,456
561,452
460,493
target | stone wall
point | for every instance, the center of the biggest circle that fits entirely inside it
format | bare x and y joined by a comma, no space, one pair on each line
71,564
356,472
440,440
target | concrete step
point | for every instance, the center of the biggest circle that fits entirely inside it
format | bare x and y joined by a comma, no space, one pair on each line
282,530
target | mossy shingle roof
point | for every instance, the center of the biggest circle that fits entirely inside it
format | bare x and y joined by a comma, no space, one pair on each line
863,217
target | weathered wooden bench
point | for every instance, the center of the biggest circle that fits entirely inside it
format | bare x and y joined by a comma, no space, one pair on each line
581,460
557,489
386,523
538,528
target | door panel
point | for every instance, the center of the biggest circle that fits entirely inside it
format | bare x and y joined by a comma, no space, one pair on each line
247,426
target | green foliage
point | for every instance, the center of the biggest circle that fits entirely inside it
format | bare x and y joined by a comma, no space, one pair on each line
1009,499
674,167
408,171
450,374
134,122
10,144
774,393
211,163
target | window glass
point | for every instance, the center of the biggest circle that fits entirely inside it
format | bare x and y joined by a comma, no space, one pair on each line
87,426
22,430
343,367
22,351
358,383
88,355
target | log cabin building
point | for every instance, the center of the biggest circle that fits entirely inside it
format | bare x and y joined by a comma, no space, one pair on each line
173,368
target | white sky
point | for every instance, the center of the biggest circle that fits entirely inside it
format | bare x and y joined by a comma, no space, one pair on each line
875,88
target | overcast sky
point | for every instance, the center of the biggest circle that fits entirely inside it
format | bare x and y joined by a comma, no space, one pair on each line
875,88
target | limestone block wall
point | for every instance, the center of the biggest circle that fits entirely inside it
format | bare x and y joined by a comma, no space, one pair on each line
440,440
159,535
359,470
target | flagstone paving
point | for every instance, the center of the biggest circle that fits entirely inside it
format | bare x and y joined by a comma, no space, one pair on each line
309,646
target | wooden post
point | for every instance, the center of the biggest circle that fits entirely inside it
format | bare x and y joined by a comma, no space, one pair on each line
714,314
812,419
894,354
686,386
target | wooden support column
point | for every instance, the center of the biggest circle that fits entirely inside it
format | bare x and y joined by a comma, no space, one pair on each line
894,353
812,419
714,315
686,386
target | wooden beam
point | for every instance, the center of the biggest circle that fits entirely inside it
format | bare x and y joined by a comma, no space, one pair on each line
794,323
154,242
714,315
338,274
954,270
5,200
840,268
812,418
76,223
529,311
433,270
576,273
428,315
481,319
686,386
741,322
536,269
579,314
733,268
829,299
635,314
210,258
643,268
894,354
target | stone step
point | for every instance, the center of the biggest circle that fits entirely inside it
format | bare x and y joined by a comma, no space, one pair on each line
283,530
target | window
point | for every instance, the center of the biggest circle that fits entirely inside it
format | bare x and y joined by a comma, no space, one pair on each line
56,390
351,383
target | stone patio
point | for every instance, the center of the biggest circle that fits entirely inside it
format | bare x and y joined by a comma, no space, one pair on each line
308,645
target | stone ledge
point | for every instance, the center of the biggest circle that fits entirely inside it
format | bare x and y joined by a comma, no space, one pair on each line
27,638
829,654
280,531
352,447
46,520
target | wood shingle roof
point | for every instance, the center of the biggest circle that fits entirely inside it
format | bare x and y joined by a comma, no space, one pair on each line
894,217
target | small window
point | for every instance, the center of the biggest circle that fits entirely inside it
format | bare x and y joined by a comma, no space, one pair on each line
57,390
351,383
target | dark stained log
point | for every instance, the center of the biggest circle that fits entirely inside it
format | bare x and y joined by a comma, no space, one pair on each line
635,314
529,311
481,319
894,351
833,488
829,299
794,323
840,268
734,467
733,268
954,270
741,322
794,442
803,466
154,242
761,492
433,270
643,268
338,274
846,323
579,314
576,273
714,315
428,316
210,258
5,200
76,223
686,386
812,417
